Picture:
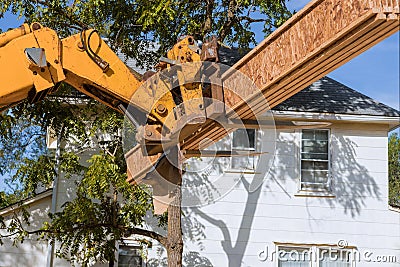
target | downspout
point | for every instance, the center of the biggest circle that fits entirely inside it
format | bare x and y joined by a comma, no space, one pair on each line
53,209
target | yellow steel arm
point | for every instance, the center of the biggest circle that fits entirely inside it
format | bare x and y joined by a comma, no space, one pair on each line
34,61
23,75
18,74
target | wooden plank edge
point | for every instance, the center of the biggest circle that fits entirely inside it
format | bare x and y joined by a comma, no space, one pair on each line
345,56
391,31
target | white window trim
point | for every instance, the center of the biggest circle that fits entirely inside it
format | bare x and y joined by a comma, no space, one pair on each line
351,250
293,246
256,158
314,248
130,243
314,192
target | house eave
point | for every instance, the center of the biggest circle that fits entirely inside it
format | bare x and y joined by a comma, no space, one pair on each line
393,122
25,202
394,208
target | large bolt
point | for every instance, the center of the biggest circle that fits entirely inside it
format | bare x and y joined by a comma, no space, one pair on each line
36,26
80,46
161,109
149,133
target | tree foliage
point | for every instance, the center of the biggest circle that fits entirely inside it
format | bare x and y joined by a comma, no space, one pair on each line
106,208
394,169
134,27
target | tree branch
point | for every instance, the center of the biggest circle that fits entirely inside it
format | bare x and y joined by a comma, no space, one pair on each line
127,231
207,26
148,233
63,12
250,19
35,232
226,28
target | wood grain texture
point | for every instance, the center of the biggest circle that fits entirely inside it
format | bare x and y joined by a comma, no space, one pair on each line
138,165
317,40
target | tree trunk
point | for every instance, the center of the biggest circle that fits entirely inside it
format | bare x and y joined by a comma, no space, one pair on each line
175,242
174,237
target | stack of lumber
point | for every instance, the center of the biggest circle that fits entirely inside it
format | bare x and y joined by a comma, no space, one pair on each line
324,35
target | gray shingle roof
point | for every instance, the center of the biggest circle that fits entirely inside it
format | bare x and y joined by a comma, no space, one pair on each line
324,96
231,56
329,96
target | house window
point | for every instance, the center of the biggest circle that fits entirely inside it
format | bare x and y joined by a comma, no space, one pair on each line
334,258
315,160
129,256
294,257
244,140
315,255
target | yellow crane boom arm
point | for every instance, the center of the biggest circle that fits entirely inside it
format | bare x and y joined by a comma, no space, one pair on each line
33,60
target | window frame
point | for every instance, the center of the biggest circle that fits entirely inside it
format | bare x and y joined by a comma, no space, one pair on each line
249,149
132,244
327,192
280,247
320,248
315,249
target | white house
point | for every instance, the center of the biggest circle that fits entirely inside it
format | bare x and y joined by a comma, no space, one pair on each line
323,200
326,194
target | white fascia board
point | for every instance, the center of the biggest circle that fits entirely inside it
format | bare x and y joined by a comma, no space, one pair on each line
28,201
393,121
393,208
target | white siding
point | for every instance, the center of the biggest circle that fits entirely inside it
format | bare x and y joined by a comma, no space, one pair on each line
232,231
31,252
237,227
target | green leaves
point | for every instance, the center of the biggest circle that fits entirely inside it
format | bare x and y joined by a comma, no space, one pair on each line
145,30
394,169
70,165
101,176
105,208
32,173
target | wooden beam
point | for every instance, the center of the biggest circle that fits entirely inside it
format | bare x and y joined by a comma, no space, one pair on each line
138,165
321,37
220,153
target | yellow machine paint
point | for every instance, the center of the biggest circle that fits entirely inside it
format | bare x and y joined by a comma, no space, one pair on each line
66,61
34,61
